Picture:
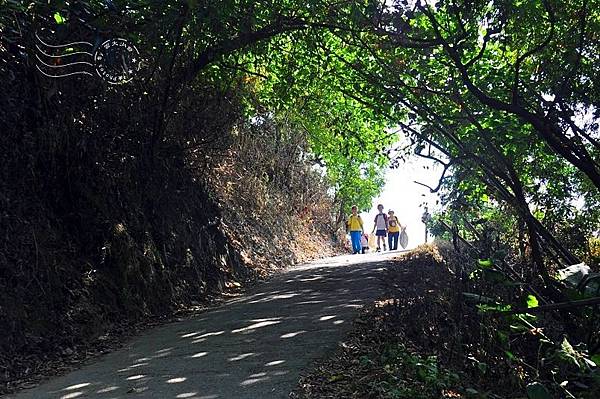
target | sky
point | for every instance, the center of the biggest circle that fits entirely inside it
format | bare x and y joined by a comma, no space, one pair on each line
403,196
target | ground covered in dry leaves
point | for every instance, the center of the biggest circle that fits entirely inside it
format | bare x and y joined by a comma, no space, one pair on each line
424,340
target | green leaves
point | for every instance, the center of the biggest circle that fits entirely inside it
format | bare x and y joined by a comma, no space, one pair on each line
59,18
532,301
308,83
535,390
568,354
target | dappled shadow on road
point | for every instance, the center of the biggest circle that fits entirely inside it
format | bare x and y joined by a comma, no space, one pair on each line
252,347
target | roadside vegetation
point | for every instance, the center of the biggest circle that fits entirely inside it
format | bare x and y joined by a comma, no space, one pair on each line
440,333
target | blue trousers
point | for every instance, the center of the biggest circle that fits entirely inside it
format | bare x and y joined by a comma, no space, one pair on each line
355,238
393,240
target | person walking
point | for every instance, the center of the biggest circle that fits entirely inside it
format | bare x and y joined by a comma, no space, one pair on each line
364,242
355,226
393,230
380,228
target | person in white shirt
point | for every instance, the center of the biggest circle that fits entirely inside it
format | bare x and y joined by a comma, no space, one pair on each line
380,228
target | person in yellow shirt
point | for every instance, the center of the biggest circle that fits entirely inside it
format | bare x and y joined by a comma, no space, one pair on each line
355,226
393,230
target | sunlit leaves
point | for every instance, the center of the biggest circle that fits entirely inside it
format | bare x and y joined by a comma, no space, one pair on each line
58,18
532,301
304,78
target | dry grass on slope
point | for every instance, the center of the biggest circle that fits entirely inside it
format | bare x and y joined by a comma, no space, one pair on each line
275,208
418,341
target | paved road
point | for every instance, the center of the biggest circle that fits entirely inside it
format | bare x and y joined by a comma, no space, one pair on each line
254,346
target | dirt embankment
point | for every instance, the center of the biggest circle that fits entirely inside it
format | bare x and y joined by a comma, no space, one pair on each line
93,252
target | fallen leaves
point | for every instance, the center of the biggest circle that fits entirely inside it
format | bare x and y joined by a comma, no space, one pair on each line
406,344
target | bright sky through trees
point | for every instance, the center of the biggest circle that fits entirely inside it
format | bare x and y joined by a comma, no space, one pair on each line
404,196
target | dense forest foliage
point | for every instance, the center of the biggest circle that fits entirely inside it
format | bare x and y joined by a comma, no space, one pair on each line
111,194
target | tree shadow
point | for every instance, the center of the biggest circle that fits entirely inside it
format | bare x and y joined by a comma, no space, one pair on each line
254,346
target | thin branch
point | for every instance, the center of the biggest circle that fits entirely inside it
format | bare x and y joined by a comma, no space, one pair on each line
442,177
536,49
282,25
550,307
239,68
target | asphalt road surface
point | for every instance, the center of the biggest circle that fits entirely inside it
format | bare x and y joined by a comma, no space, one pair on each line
254,346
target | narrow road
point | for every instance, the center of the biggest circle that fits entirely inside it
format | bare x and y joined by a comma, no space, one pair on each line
254,346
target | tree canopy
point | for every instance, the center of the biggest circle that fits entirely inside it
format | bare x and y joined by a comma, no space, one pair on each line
503,94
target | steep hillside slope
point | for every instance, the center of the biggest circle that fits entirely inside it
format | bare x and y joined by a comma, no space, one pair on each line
96,240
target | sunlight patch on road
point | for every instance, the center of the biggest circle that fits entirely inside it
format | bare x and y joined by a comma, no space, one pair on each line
164,350
311,278
343,305
132,367
176,380
108,389
265,319
252,381
255,326
257,375
292,334
212,334
191,334
136,377
197,355
202,338
275,297
76,386
241,356
309,302
72,395
275,363
325,318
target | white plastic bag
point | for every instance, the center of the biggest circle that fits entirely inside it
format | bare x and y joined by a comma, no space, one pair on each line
403,238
